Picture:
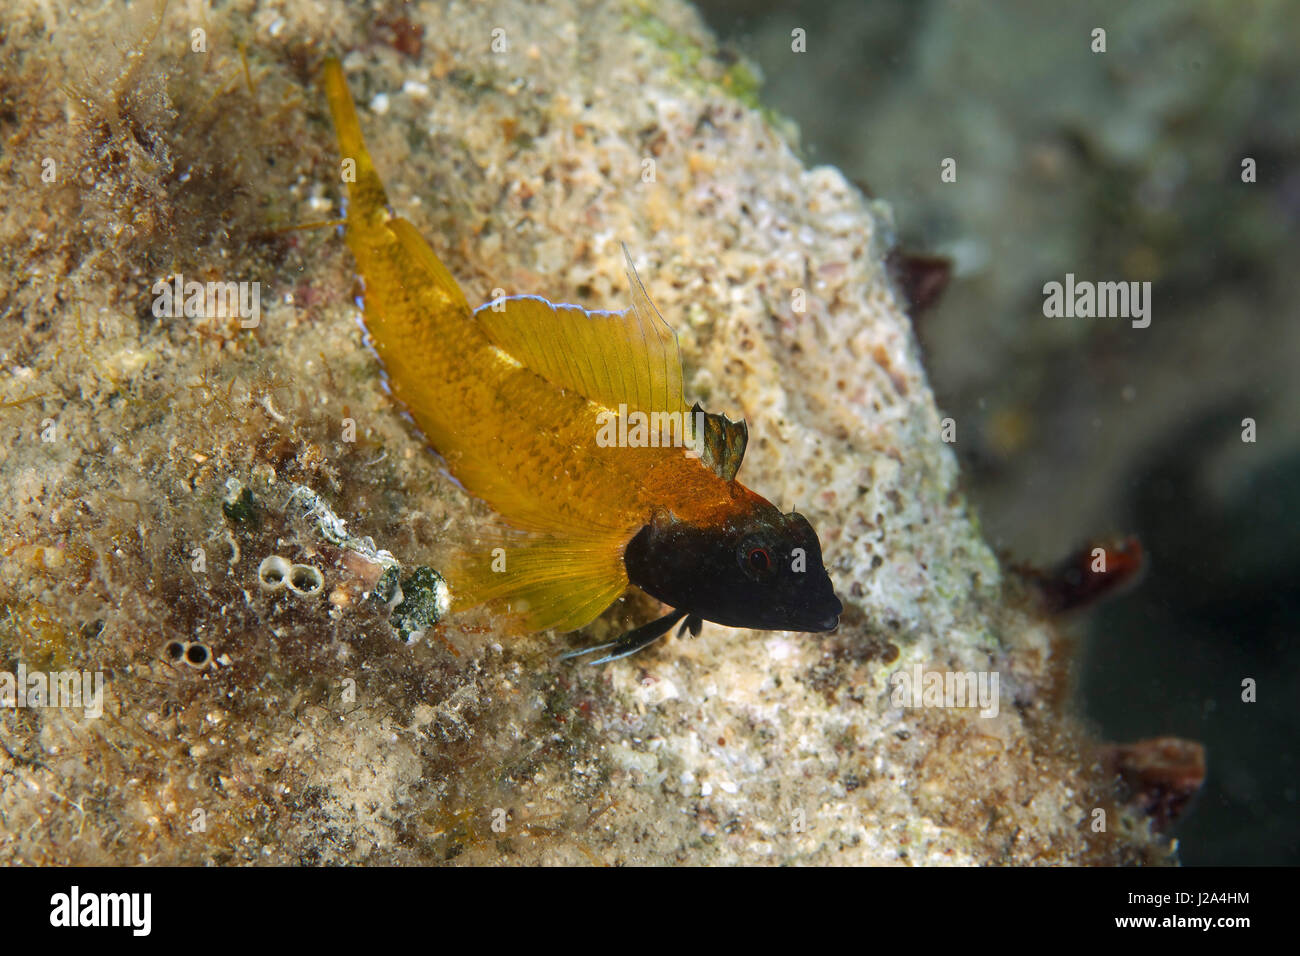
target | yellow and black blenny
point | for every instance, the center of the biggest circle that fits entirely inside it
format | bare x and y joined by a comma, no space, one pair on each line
518,396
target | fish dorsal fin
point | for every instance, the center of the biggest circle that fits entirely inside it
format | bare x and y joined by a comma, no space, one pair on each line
611,358
724,442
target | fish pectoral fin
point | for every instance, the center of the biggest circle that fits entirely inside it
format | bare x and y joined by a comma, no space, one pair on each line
724,443
540,582
633,641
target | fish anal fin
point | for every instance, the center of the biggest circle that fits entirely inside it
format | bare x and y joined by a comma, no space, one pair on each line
539,582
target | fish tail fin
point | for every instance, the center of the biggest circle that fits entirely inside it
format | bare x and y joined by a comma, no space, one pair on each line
534,582
412,302
366,195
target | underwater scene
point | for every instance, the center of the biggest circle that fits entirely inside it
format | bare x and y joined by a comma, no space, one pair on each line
860,433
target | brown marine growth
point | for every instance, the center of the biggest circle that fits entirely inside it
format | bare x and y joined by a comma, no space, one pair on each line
1087,576
1160,775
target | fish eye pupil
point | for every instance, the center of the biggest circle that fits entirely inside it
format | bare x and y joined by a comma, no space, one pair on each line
759,560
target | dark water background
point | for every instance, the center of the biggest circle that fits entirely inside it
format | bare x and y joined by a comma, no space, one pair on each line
1123,165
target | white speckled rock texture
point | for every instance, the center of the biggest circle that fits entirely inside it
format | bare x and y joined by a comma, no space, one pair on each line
317,736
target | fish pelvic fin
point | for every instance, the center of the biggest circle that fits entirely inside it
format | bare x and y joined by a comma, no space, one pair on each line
539,582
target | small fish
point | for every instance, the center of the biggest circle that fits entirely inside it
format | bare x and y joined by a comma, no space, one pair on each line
534,408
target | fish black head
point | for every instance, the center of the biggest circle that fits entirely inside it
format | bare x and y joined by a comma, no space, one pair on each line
759,570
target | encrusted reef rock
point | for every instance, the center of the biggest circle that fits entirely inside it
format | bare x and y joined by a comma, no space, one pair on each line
152,463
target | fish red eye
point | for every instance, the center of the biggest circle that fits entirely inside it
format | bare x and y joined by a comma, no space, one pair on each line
759,559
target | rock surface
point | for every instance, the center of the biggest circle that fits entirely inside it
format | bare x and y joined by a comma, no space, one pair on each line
149,466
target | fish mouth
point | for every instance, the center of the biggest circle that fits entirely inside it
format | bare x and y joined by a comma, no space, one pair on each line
820,625
830,619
